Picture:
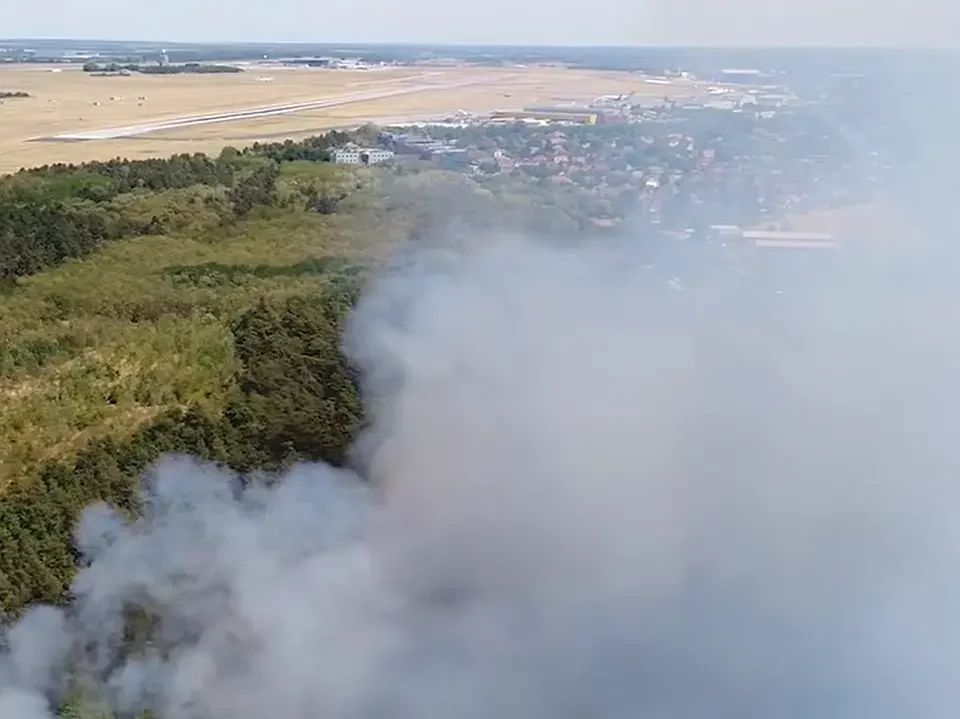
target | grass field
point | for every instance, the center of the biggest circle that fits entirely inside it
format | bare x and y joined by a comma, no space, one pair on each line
66,101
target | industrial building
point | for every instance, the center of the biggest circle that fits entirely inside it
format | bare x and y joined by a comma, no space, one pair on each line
796,244
740,74
572,115
775,238
424,148
361,155
785,235
791,240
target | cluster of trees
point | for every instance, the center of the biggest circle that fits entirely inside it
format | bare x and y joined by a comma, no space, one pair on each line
58,212
190,67
34,235
211,274
61,212
18,93
98,180
295,398
160,69
313,149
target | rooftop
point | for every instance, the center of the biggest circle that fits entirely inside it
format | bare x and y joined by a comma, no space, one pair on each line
787,236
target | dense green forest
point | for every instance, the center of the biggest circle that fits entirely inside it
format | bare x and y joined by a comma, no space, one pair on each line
163,306
59,212
191,305
294,398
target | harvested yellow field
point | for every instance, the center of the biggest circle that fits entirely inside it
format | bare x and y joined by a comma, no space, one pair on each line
67,100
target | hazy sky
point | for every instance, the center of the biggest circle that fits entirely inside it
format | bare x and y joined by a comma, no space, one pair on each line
602,22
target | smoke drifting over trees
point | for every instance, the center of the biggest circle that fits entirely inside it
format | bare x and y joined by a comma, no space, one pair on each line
586,494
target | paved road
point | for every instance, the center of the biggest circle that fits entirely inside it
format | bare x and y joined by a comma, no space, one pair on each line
267,110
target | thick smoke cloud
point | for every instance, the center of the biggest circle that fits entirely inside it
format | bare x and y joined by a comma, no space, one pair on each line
586,493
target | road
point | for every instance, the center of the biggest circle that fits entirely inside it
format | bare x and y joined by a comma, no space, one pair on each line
268,110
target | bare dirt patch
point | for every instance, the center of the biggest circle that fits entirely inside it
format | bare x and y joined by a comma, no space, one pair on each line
875,223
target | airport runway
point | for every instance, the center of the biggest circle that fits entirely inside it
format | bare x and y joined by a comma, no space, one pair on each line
265,111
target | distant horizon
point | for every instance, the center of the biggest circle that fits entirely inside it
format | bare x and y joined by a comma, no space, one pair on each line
502,23
410,43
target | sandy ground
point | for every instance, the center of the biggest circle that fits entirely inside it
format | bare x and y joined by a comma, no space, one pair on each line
878,221
67,101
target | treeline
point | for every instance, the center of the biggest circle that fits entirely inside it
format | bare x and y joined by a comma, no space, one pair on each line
314,149
58,212
100,181
296,398
18,93
189,67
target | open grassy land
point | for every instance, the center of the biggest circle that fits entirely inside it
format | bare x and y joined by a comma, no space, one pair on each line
513,91
65,102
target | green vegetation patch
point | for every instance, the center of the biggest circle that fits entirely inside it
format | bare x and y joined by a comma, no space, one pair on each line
191,305
114,68
214,274
289,396
103,335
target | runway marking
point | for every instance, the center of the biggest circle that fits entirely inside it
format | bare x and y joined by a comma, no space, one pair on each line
264,111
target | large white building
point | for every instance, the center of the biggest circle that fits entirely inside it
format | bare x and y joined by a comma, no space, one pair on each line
796,240
361,155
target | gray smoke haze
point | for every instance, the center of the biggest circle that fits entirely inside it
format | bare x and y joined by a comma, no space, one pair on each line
589,494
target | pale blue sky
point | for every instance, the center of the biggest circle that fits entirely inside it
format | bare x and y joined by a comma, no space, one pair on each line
603,22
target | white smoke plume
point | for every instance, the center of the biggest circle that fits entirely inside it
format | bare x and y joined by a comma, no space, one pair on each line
586,494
